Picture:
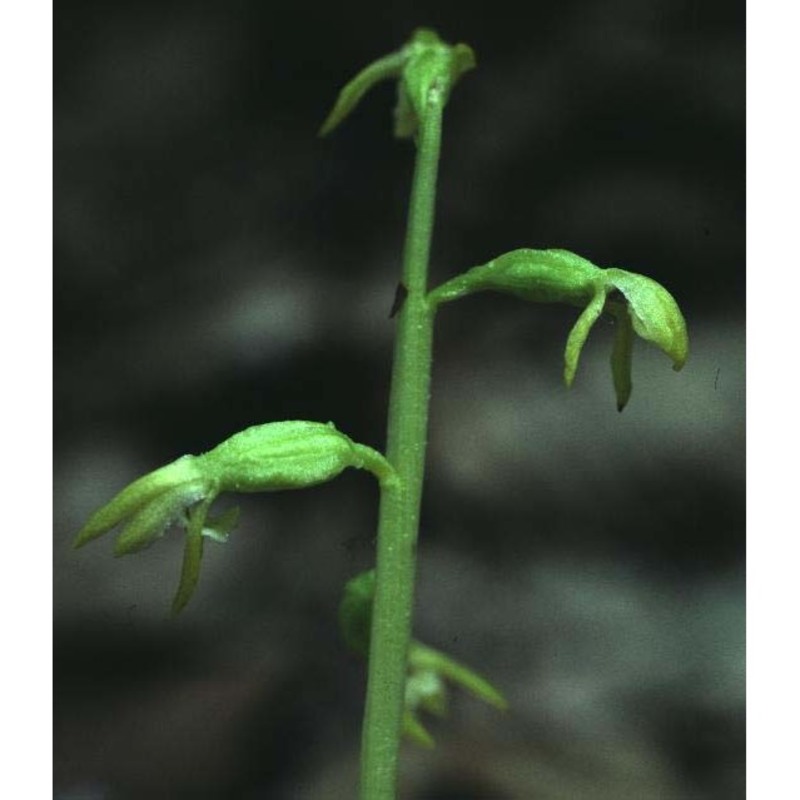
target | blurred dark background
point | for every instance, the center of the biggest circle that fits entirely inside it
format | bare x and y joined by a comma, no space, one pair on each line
218,266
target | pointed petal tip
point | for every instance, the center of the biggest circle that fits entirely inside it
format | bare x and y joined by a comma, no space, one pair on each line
429,743
178,604
121,550
679,352
184,593
499,704
415,730
486,692
79,541
419,734
89,533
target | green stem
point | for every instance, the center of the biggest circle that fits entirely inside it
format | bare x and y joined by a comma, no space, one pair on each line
400,503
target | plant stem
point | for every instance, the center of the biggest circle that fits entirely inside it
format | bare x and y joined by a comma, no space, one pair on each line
400,504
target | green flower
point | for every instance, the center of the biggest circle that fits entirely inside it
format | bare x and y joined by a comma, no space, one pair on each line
426,689
637,303
428,669
271,457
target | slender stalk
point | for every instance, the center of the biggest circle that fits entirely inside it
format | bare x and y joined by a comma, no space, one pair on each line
399,512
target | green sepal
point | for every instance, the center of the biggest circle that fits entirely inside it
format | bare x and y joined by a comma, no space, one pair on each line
349,97
137,495
152,520
654,313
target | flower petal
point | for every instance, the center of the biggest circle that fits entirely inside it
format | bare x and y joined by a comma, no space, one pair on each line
137,495
425,658
415,730
349,97
621,355
579,333
151,521
192,555
654,313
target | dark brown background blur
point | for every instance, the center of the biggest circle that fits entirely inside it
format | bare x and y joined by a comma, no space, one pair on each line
218,266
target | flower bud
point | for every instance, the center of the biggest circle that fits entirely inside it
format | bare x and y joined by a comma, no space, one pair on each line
432,64
422,63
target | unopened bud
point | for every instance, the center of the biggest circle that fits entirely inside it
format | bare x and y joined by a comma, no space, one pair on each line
423,63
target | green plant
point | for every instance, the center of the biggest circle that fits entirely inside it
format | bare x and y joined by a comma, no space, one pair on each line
404,676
